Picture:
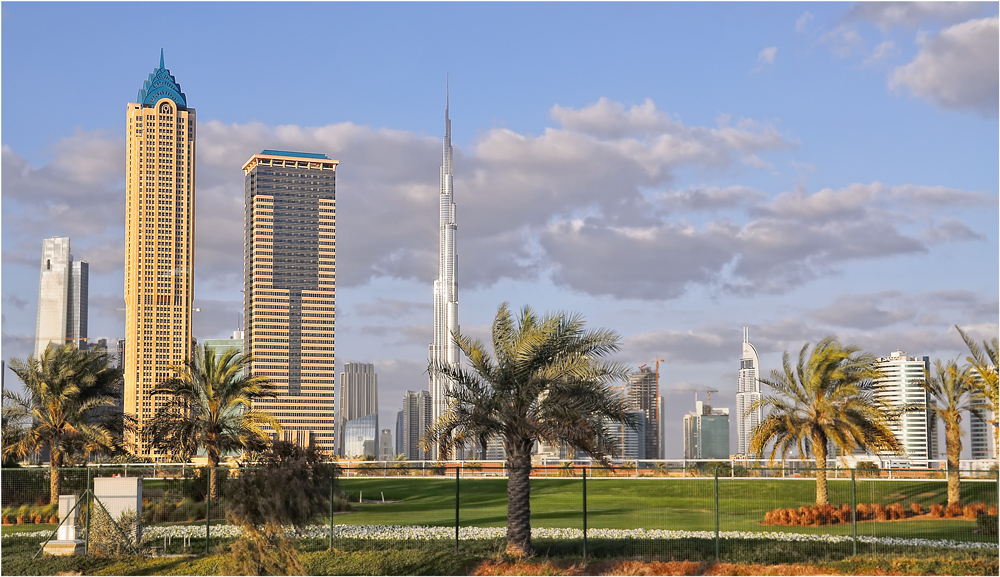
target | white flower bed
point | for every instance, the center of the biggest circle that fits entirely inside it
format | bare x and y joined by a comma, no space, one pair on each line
413,532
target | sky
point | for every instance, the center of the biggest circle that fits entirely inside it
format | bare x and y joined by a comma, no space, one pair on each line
671,171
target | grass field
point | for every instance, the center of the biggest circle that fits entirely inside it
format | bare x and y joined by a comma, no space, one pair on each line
651,503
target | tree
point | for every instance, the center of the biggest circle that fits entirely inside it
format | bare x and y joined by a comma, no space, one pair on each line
952,391
67,407
210,406
985,362
289,485
545,382
825,399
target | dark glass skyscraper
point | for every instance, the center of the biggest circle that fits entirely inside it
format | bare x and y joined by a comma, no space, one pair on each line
289,284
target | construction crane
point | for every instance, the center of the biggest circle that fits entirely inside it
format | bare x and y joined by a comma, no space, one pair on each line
695,389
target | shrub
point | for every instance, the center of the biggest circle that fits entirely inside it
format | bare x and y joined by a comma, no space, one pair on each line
864,512
896,511
937,511
971,512
992,510
987,523
110,538
879,512
953,510
917,508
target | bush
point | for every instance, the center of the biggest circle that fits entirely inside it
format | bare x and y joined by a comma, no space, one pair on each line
110,538
917,508
986,523
971,512
937,511
953,510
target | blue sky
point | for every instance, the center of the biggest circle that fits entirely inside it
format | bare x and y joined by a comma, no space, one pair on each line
673,171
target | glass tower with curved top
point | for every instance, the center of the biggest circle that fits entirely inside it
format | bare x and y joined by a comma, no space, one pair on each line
159,240
443,349
747,393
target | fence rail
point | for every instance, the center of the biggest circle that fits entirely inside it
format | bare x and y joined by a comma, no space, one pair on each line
705,508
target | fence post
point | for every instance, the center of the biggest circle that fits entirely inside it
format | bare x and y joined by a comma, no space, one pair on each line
716,514
88,493
584,514
854,510
208,509
333,478
457,471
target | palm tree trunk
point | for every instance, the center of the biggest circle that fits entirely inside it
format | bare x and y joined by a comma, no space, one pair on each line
213,488
519,499
819,449
55,477
953,446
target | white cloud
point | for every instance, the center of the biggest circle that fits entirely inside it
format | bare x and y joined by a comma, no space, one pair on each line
803,22
882,52
957,68
912,14
766,58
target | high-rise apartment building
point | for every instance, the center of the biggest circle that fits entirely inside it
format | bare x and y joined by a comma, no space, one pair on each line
159,240
400,448
706,433
62,297
416,420
747,393
358,396
631,442
900,387
289,279
385,448
642,392
443,349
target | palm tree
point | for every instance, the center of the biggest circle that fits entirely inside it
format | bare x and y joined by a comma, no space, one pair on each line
825,399
67,396
985,362
211,406
952,391
545,382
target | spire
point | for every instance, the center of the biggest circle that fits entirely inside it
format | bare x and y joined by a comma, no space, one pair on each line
161,83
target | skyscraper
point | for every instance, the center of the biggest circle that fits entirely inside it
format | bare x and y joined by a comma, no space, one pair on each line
62,297
900,387
706,433
159,240
747,393
643,390
416,419
289,280
444,350
358,396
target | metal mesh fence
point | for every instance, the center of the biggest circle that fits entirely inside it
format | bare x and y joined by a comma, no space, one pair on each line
698,512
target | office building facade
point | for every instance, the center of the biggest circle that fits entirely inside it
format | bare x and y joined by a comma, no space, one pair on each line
358,396
416,420
706,433
289,285
159,241
361,437
747,393
62,297
642,391
631,443
385,447
900,387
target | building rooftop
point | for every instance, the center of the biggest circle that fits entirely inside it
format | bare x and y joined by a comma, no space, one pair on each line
161,84
315,155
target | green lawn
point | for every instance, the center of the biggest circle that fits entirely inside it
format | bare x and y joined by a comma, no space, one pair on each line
652,503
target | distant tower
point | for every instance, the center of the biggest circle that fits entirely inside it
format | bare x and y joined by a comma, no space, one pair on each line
706,433
416,419
289,284
62,297
358,397
900,387
444,350
159,241
642,394
747,393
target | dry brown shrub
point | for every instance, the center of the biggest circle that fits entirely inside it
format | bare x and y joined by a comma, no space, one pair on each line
970,511
953,510
739,569
863,512
53,519
529,568
793,517
937,510
992,510
784,516
880,513
655,568
917,508
896,511
769,518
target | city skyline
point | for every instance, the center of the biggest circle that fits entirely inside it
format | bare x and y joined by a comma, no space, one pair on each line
802,169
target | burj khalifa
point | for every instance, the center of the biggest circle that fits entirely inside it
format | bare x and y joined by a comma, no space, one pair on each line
444,350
